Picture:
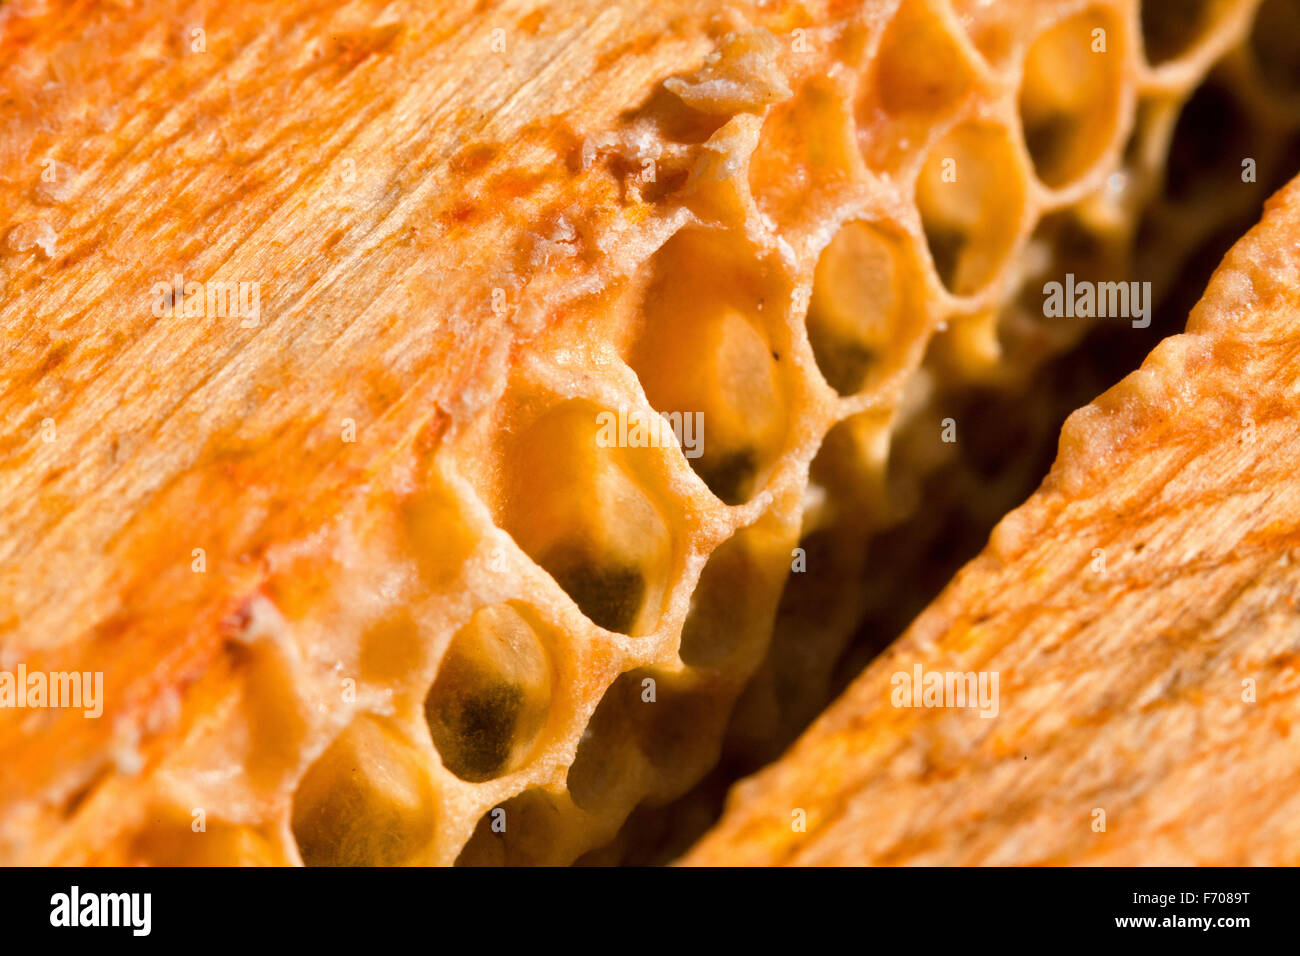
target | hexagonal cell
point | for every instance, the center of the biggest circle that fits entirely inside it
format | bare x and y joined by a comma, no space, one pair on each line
521,831
491,697
704,347
819,604
971,196
865,311
1171,28
1214,133
1062,244
1071,93
850,468
1274,40
792,172
679,730
814,620
920,68
604,769
577,503
652,735
366,801
735,599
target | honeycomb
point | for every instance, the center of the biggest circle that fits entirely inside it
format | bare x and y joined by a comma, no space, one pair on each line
1107,675
1208,94
509,606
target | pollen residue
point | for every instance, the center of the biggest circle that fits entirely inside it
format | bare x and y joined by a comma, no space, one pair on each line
474,159
347,50
54,358
642,44
429,438
517,183
530,23
461,213
557,136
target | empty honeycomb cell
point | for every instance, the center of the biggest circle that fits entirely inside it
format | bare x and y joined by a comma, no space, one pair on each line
1171,28
1273,41
810,595
704,349
815,618
817,612
792,173
921,68
917,448
576,502
850,465
366,801
668,730
519,832
1023,334
603,769
491,696
734,600
971,196
971,348
866,309
647,732
1070,95
1213,134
